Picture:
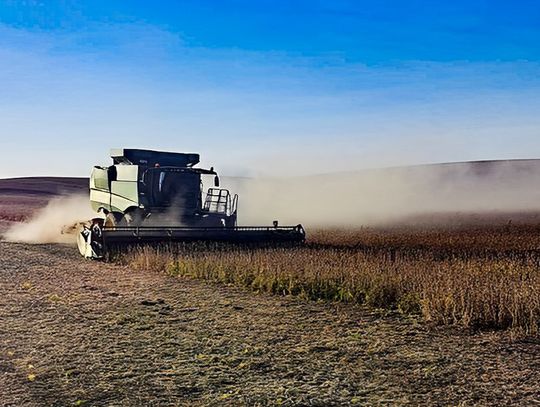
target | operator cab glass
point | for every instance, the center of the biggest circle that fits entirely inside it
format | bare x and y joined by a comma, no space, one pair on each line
172,187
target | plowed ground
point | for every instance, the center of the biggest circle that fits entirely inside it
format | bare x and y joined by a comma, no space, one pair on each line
74,332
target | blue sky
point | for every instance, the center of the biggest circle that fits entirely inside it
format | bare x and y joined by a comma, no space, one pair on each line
268,87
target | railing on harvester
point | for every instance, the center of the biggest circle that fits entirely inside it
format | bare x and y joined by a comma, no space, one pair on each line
220,201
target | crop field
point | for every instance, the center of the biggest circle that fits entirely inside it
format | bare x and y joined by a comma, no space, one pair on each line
472,277
409,315
80,333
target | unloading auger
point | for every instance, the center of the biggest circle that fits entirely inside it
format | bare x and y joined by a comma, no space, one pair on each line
154,197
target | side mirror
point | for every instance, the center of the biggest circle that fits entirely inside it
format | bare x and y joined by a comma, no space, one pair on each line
216,181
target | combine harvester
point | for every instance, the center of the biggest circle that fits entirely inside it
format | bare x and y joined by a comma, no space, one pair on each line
153,197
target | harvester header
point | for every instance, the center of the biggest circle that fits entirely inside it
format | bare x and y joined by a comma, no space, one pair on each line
157,197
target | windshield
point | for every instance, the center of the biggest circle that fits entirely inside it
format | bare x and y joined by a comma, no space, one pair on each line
173,188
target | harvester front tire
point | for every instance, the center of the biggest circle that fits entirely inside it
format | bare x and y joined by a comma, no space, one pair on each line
89,239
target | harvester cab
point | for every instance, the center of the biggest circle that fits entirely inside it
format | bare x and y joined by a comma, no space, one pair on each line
152,197
151,188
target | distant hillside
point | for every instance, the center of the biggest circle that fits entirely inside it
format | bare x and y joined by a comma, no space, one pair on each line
67,185
367,197
40,186
475,168
21,197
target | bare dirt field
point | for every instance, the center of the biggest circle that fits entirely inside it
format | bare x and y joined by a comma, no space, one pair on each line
74,332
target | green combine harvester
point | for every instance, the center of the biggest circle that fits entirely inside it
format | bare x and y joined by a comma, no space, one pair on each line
154,197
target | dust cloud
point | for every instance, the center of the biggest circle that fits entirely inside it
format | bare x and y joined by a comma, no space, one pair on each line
49,223
395,196
391,196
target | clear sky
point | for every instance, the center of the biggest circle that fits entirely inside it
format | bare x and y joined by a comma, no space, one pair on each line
268,86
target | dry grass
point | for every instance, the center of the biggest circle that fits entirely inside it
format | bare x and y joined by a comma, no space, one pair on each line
475,278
